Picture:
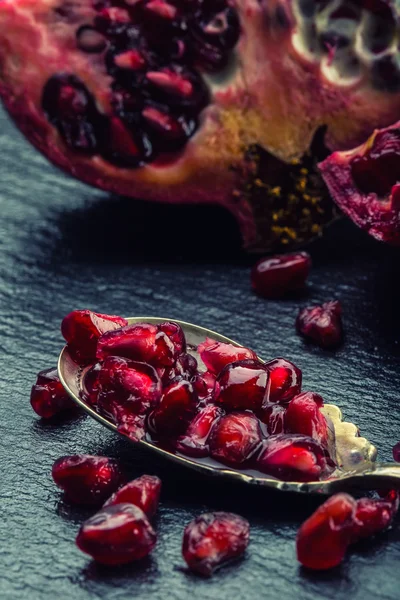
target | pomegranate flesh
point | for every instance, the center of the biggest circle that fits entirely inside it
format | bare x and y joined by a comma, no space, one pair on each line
213,539
322,324
177,405
273,416
203,101
48,397
243,385
276,276
117,535
217,355
143,492
87,479
235,438
285,380
194,441
303,416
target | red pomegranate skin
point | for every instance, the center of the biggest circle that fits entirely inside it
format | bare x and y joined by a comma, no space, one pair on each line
213,539
117,535
81,330
285,380
48,397
87,479
322,324
243,385
217,355
276,276
143,492
235,438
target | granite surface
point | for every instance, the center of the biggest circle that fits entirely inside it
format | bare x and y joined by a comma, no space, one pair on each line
65,246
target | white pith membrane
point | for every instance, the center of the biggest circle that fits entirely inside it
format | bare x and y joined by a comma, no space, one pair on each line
297,67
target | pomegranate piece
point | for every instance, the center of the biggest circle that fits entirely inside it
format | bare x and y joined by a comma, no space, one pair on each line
176,407
143,492
87,479
294,458
194,441
274,417
175,332
131,425
322,324
364,183
396,452
82,328
303,416
217,355
184,367
213,539
205,386
235,438
48,397
117,535
141,341
90,385
323,539
285,380
276,276
243,385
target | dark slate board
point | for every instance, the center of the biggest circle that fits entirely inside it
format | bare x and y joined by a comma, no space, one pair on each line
64,246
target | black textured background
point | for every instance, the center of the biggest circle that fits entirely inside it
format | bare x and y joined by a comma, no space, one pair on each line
65,246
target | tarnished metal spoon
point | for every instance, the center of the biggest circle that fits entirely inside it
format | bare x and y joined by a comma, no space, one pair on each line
355,456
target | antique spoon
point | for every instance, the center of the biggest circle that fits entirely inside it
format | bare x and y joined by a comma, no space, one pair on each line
355,456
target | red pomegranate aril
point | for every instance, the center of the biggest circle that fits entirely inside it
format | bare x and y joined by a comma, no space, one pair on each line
141,341
205,385
303,416
90,385
276,276
194,441
373,516
243,385
171,83
285,380
274,417
87,479
143,492
117,535
131,59
213,539
161,9
322,324
175,332
82,328
294,457
48,397
185,368
130,424
176,407
89,40
235,438
217,355
396,452
323,539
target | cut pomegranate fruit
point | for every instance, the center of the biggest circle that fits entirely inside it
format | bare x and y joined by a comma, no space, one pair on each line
176,407
213,539
303,416
48,397
141,341
217,355
235,438
276,276
117,535
82,329
194,442
143,492
365,183
87,479
243,385
285,380
294,458
274,416
178,101
323,539
322,324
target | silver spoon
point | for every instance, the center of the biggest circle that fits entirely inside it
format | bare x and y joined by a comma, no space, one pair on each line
355,456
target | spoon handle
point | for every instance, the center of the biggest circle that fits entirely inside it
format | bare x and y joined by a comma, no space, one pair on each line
375,476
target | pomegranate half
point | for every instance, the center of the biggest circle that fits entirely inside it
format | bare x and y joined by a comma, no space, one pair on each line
218,101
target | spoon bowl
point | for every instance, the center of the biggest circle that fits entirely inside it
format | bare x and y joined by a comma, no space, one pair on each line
355,455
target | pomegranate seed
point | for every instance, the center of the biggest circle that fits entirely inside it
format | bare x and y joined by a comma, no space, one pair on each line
235,438
194,442
90,386
161,9
48,397
303,415
117,535
213,539
143,492
87,479
89,40
205,386
133,426
294,458
373,516
274,416
322,540
396,452
217,355
285,380
82,329
176,407
171,83
275,276
175,332
243,384
185,367
142,341
322,324
131,59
